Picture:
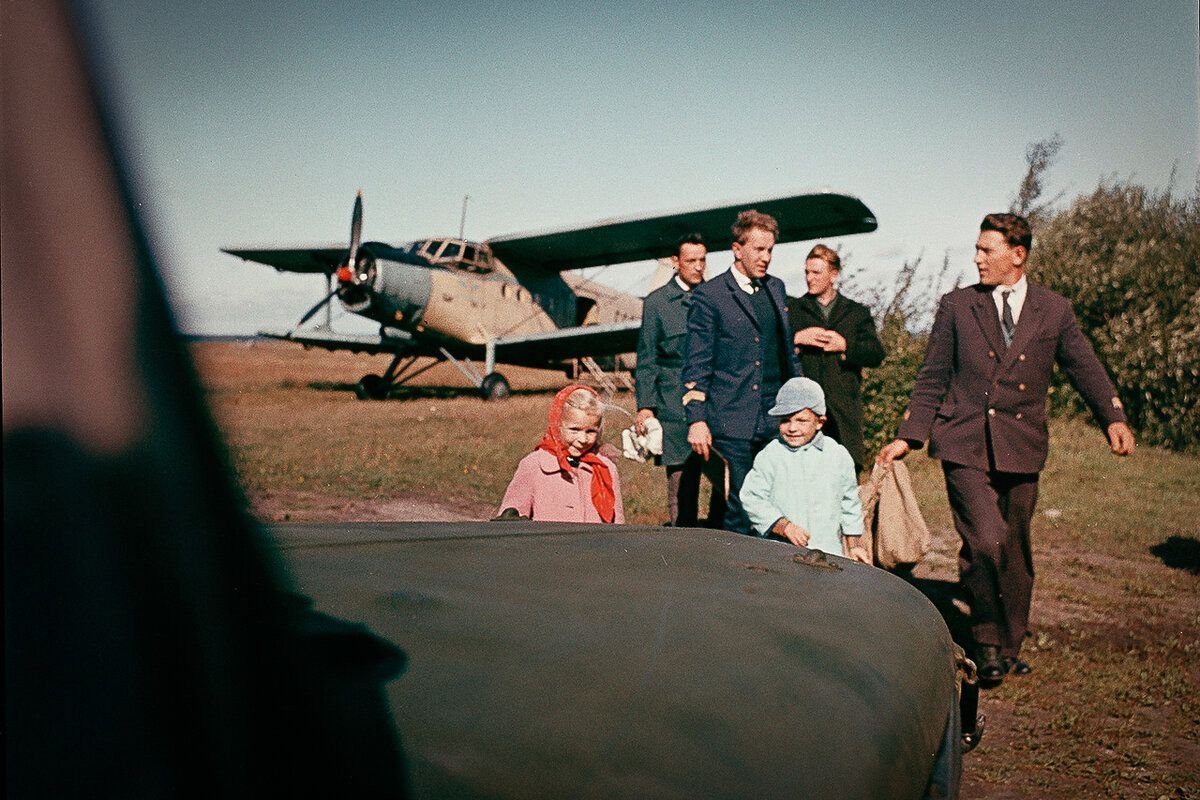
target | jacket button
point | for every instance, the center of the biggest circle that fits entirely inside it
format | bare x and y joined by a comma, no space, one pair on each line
755,387
991,353
1020,387
756,338
758,363
1019,415
1021,357
991,412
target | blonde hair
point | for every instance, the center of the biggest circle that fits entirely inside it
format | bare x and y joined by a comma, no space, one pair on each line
587,402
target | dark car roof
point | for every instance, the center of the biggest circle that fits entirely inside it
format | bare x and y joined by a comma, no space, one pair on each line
622,661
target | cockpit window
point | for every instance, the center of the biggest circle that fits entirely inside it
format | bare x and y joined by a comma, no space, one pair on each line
453,250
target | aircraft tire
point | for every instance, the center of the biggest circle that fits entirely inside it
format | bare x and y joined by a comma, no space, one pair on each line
495,387
371,387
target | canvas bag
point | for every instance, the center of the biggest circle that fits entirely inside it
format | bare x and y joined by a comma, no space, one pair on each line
894,531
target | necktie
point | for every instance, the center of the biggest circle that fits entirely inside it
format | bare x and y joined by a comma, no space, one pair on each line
1006,319
755,284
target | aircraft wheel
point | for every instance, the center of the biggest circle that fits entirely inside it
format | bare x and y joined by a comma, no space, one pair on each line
371,387
495,387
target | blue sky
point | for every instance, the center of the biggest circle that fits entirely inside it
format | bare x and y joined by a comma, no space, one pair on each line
256,122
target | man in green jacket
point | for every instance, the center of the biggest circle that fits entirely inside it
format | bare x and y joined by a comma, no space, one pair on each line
661,348
835,339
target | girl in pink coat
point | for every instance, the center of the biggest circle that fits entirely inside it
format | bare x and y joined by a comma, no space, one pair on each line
565,479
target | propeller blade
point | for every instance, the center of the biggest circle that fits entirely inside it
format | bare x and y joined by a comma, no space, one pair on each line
355,235
320,304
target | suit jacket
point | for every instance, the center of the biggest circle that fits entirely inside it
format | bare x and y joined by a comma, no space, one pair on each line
973,395
659,371
723,369
840,374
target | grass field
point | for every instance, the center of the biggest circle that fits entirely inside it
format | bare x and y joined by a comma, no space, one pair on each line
1112,708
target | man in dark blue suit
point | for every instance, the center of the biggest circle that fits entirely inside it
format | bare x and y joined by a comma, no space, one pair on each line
739,352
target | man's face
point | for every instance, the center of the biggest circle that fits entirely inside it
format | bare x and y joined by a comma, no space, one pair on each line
819,275
691,263
999,263
801,427
753,256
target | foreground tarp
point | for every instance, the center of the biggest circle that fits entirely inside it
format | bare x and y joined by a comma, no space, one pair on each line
551,660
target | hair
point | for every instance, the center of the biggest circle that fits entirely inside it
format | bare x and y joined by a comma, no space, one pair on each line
586,401
750,219
1013,227
826,254
689,238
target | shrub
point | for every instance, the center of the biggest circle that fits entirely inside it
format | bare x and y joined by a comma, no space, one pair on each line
1127,258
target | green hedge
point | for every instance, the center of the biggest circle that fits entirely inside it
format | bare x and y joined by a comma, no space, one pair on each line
1127,258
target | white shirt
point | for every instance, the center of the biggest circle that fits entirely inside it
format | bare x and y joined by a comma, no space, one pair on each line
679,282
742,280
1016,300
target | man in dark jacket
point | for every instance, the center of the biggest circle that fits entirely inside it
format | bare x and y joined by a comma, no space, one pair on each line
659,378
835,338
739,352
980,400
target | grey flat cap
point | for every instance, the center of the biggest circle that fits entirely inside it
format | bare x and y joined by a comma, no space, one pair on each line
796,395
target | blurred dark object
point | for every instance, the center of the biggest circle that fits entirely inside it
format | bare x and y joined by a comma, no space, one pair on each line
1180,552
151,649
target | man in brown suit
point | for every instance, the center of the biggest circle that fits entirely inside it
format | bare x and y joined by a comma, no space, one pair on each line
980,400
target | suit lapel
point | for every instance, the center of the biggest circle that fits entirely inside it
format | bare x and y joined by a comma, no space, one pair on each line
740,297
984,309
1027,326
837,310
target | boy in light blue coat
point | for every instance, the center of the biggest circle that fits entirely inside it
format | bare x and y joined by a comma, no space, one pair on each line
803,486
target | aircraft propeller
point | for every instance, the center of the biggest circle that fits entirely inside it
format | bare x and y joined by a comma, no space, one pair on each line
347,273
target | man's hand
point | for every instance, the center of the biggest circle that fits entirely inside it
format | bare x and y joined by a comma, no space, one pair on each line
1120,438
898,448
812,337
860,555
700,438
639,422
834,342
794,533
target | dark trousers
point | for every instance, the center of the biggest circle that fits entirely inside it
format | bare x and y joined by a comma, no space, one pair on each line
992,512
739,455
683,491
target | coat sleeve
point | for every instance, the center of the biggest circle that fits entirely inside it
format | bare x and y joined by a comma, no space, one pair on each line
519,494
698,365
756,494
851,516
618,503
933,380
1085,372
863,348
645,374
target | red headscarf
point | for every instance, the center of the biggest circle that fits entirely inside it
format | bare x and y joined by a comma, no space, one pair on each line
603,496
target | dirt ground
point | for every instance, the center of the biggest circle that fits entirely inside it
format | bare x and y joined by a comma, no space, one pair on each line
1111,709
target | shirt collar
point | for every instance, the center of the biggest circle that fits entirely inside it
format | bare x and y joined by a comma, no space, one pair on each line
743,281
1018,290
679,282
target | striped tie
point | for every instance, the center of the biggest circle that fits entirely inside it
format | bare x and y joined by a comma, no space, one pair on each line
1006,319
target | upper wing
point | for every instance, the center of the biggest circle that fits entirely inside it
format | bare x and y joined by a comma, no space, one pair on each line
321,259
399,341
619,241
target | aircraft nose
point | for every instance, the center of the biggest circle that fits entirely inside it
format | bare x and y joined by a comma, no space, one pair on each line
403,290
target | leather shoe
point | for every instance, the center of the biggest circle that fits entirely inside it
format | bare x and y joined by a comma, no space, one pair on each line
989,666
1016,666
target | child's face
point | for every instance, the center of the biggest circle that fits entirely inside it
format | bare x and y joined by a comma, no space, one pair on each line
800,427
578,430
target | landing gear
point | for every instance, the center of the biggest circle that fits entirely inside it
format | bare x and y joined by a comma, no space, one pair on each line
494,387
372,387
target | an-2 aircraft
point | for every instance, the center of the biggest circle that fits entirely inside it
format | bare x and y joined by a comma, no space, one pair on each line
511,299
